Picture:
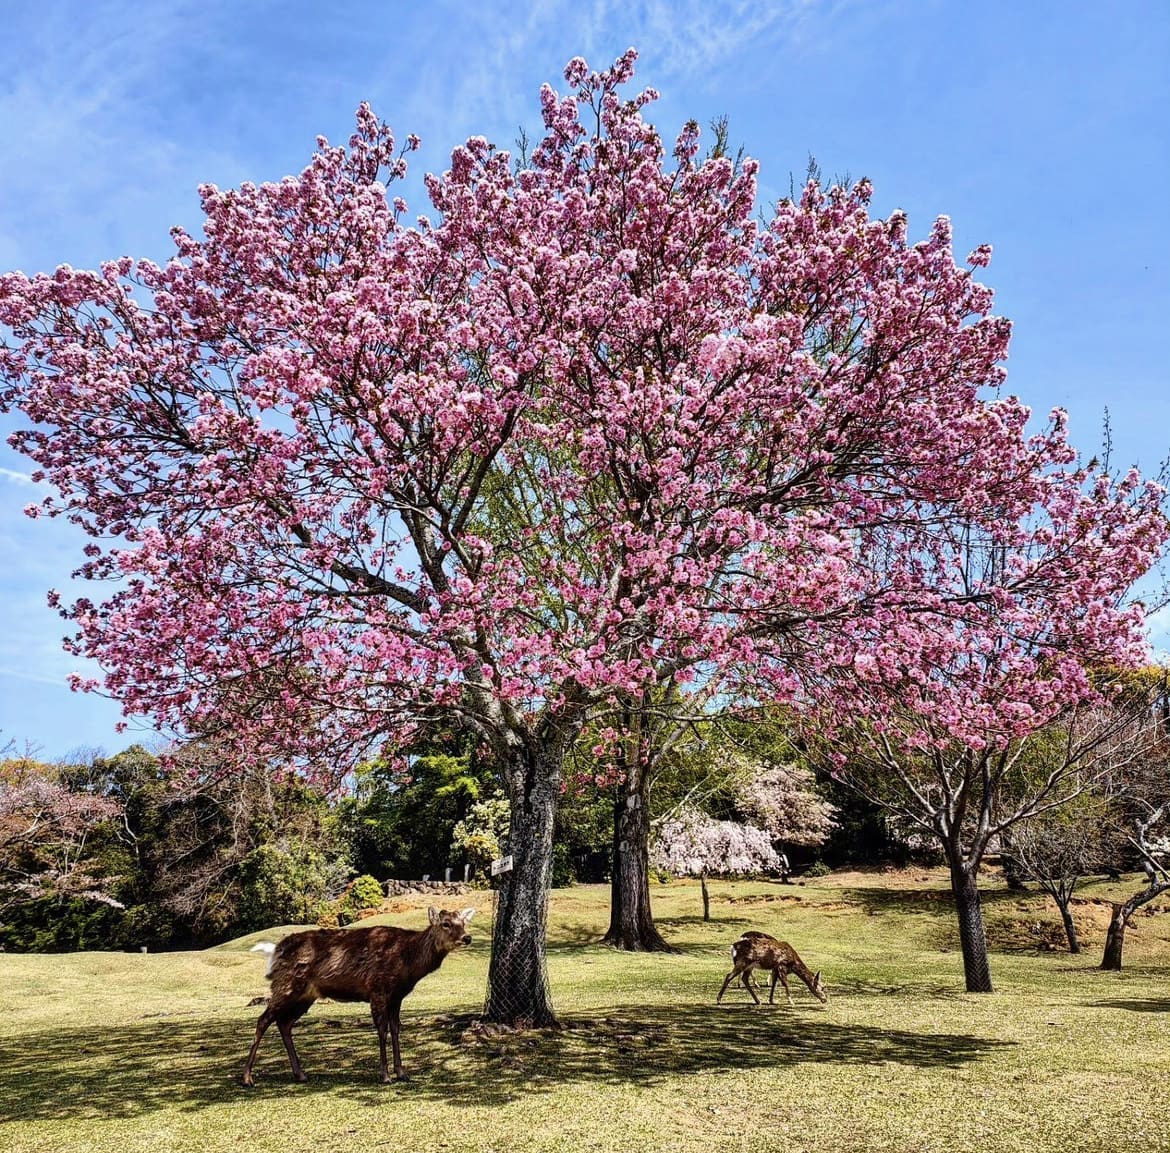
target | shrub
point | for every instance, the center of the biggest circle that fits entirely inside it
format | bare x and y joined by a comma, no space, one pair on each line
364,892
482,835
286,884
562,873
62,925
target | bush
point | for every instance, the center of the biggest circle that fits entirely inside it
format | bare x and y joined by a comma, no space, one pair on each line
364,892
286,884
63,925
562,871
817,869
481,837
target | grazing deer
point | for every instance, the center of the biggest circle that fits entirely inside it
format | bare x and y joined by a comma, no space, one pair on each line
755,950
380,965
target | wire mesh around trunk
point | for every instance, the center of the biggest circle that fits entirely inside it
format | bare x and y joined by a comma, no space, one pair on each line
527,975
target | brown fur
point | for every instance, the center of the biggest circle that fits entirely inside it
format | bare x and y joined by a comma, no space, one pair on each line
380,965
756,950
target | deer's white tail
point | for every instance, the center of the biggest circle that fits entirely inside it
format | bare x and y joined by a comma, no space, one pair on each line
265,947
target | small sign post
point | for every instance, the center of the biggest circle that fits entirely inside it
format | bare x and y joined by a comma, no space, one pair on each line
503,865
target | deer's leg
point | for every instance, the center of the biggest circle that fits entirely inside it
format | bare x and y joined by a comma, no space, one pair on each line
772,990
747,984
288,1016
395,1006
266,1019
784,982
381,1017
726,981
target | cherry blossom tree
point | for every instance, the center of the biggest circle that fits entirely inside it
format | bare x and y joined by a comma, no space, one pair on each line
45,831
967,748
695,844
673,757
592,426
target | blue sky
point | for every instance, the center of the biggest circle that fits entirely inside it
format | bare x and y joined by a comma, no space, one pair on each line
1038,127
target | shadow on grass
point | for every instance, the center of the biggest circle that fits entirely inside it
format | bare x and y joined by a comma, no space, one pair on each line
135,1069
939,902
722,921
686,933
1136,1005
916,990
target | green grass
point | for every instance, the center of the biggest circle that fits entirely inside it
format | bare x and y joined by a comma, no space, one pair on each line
126,1052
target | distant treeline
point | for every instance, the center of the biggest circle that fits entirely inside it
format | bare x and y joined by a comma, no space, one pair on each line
136,850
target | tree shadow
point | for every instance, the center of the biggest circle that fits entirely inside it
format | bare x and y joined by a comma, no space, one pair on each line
565,938
696,920
572,937
916,990
189,1063
937,902
1136,1005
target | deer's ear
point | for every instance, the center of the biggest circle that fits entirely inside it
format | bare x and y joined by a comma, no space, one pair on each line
816,978
433,914
466,915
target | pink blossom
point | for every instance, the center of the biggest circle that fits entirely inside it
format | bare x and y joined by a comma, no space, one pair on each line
592,426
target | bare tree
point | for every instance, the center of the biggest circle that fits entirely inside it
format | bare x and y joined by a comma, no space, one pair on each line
1148,802
1058,848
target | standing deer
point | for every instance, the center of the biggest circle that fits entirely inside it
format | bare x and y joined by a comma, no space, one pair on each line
380,965
755,950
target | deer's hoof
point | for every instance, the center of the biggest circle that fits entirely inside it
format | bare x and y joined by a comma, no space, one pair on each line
248,1083
300,1078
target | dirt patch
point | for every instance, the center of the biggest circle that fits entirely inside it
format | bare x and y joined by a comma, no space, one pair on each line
1041,929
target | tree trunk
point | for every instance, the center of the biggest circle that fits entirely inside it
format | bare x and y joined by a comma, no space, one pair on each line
1115,938
1013,874
631,920
706,895
1070,930
972,937
518,992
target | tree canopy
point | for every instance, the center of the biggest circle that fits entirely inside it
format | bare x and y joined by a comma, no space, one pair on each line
594,426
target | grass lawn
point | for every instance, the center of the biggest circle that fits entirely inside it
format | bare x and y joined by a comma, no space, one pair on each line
130,1052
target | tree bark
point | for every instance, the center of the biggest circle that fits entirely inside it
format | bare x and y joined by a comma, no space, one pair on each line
972,937
706,895
518,992
1070,930
1013,874
631,919
1115,938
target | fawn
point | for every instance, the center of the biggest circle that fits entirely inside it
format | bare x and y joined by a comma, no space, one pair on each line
756,950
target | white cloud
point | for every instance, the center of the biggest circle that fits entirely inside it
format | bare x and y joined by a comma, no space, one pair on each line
490,88
689,37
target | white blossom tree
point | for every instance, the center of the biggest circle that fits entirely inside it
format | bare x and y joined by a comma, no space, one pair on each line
694,844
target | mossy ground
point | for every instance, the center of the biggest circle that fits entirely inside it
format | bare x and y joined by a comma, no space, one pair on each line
132,1052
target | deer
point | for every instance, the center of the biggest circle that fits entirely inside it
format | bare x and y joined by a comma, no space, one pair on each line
756,950
379,965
